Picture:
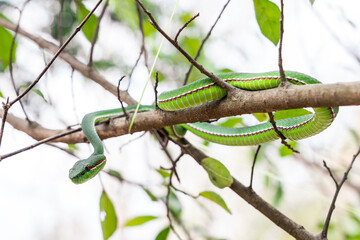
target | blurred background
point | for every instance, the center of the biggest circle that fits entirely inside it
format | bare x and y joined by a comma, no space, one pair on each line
38,201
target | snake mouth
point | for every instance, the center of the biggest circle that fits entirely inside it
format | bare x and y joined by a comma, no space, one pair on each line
90,167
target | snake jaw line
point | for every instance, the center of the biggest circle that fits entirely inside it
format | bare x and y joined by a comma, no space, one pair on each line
86,169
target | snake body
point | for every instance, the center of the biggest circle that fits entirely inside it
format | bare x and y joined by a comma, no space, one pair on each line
205,90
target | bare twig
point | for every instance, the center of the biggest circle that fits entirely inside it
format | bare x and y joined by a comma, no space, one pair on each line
73,62
253,166
6,107
155,88
60,38
282,137
281,69
185,25
142,48
203,43
78,28
96,32
212,76
121,102
338,186
46,140
173,170
11,57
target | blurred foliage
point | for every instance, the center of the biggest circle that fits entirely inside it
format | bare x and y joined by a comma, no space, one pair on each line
171,62
6,39
216,198
108,215
268,17
90,26
163,234
139,220
34,90
68,21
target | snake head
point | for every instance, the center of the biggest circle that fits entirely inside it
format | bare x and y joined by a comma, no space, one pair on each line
86,169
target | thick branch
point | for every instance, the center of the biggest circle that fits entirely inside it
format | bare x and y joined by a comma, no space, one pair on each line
320,95
285,223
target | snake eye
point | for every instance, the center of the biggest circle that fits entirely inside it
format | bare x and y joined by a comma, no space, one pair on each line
88,168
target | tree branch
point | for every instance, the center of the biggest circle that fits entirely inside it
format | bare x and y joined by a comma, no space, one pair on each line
319,95
281,220
73,62
203,42
338,186
212,76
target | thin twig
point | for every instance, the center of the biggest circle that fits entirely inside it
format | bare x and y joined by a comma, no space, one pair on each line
11,57
282,137
6,107
118,96
96,33
168,196
253,166
49,139
78,28
212,76
185,25
155,88
338,188
131,140
163,146
60,38
281,69
63,149
187,75
142,48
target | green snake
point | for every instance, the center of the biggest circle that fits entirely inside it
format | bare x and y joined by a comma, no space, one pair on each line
205,90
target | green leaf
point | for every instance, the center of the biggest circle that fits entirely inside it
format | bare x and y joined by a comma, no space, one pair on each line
89,27
1,95
226,70
216,198
116,174
151,196
6,41
109,220
231,122
72,147
355,135
68,21
163,234
163,173
278,194
34,90
148,28
260,116
312,1
282,114
104,64
136,221
175,206
285,151
219,175
191,44
268,17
